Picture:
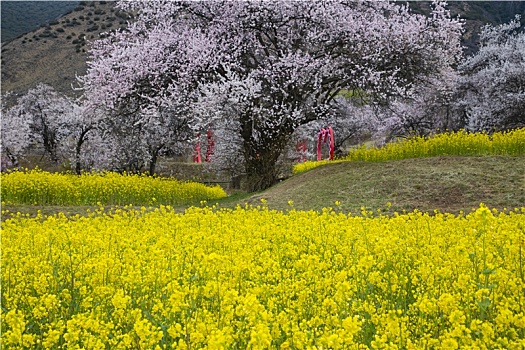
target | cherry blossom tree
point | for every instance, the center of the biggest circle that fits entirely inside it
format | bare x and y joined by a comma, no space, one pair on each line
45,120
37,118
268,67
78,129
139,77
493,80
135,140
429,108
16,136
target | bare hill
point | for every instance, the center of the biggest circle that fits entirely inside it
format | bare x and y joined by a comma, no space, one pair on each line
56,53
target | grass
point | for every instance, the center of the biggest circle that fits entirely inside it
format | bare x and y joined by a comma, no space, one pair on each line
461,143
449,184
231,201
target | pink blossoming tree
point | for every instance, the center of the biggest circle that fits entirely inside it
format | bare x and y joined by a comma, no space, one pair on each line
493,80
265,67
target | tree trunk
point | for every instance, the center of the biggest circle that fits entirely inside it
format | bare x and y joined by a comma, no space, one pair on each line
50,144
12,158
153,160
262,173
261,162
78,149
152,164
261,153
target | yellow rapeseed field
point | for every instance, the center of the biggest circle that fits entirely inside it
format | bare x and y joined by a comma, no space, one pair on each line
252,278
38,187
460,143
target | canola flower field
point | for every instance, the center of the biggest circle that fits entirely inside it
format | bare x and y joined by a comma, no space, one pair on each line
460,143
253,278
37,187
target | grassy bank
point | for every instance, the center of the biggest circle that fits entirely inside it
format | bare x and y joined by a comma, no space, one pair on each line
449,184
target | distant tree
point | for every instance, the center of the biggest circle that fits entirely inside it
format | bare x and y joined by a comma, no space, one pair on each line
274,66
16,135
429,108
493,80
45,120
38,118
135,140
78,128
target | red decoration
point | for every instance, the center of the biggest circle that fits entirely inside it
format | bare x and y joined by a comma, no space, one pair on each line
301,150
325,135
210,147
197,155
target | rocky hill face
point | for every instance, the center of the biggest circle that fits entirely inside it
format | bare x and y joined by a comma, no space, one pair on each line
21,17
477,14
56,53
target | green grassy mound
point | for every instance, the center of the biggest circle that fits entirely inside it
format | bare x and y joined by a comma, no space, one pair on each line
448,184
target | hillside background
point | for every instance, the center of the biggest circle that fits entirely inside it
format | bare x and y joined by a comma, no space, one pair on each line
48,41
54,52
21,17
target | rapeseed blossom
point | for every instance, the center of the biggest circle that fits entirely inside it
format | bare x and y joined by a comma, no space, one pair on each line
107,188
460,143
254,278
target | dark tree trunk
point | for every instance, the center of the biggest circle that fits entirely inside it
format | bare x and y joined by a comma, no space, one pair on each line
50,145
261,155
48,137
78,149
262,171
154,157
12,158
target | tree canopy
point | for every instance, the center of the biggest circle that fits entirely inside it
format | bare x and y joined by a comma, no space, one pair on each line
266,67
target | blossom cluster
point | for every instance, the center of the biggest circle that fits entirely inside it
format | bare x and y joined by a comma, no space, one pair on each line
461,143
490,89
254,278
257,71
37,187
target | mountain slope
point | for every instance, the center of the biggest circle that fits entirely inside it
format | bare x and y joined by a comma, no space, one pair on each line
476,14
21,17
56,53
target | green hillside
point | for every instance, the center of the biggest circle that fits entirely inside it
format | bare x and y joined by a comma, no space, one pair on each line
449,184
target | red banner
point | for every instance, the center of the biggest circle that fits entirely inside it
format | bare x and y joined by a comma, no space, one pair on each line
301,151
325,135
210,147
197,153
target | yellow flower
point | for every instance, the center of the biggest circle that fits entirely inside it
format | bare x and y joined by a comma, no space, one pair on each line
257,278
